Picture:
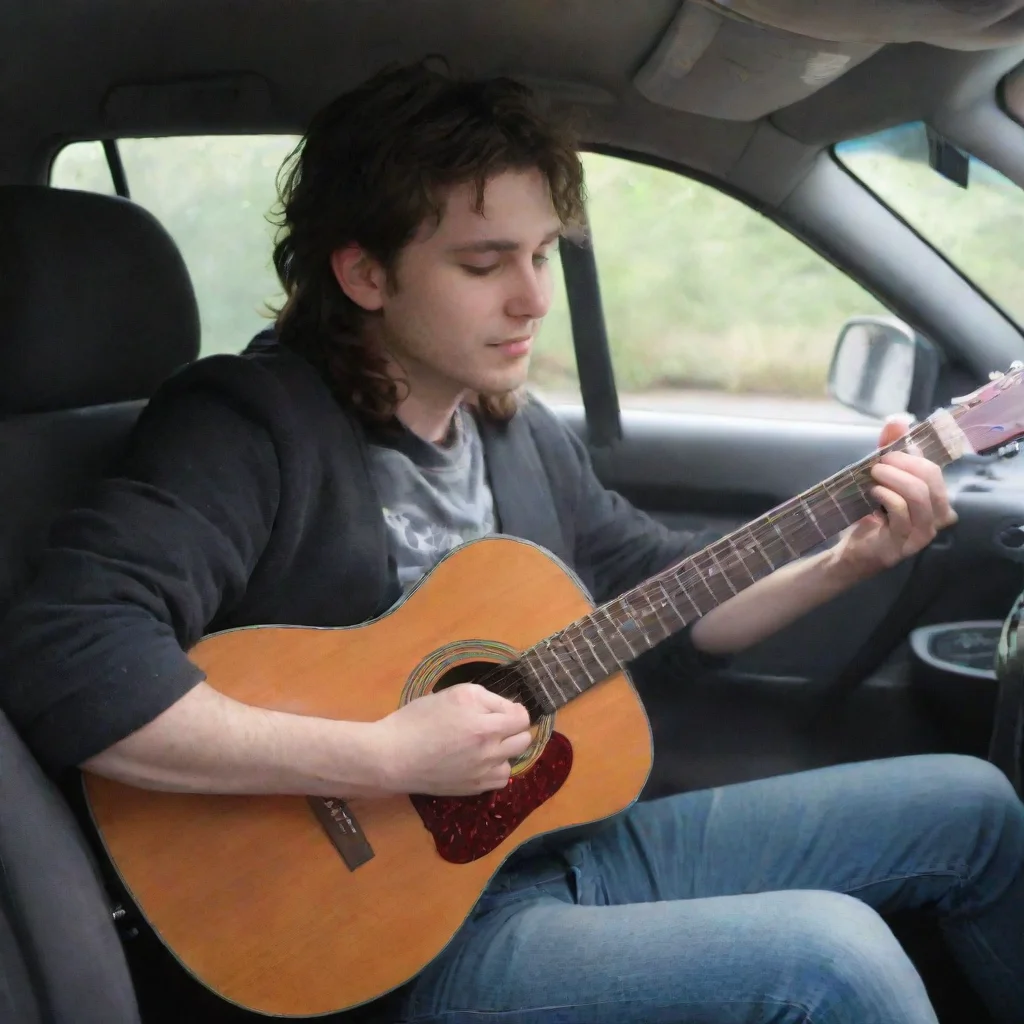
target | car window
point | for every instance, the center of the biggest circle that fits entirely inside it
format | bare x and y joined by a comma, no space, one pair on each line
977,228
214,195
710,306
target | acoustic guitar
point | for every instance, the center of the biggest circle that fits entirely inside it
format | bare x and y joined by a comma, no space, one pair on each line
299,907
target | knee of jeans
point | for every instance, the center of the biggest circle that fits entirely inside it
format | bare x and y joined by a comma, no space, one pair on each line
974,776
981,792
848,957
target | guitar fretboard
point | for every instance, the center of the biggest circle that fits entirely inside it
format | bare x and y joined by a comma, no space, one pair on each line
596,646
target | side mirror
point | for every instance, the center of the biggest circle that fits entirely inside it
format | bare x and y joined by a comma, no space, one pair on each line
881,367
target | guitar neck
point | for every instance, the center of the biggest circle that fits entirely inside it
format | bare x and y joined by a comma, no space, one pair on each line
596,646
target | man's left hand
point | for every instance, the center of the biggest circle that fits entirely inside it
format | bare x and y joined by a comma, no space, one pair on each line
913,494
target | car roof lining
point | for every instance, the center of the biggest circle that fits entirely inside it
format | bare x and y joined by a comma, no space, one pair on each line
148,68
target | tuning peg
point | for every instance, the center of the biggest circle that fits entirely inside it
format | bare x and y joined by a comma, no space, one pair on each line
1016,365
997,374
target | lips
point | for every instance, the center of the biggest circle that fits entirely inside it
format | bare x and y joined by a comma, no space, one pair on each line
515,346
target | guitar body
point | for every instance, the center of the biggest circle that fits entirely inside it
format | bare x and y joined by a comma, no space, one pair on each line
252,894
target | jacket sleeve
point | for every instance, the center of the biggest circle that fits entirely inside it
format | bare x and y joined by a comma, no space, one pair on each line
95,647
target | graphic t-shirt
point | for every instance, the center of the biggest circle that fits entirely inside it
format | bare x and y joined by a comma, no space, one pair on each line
434,496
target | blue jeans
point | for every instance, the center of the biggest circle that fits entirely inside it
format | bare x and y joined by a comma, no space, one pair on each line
753,903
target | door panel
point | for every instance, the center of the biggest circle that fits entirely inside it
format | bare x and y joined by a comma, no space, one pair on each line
723,471
776,708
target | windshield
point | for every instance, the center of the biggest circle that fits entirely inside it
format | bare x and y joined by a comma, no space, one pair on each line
979,229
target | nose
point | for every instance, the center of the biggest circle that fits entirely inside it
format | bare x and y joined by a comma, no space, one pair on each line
530,298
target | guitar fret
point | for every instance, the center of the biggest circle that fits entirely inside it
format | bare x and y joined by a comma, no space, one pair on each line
671,604
764,554
586,639
738,548
627,611
540,682
685,590
722,571
716,582
657,614
707,583
814,519
782,537
568,673
606,637
860,490
575,654
834,521
835,501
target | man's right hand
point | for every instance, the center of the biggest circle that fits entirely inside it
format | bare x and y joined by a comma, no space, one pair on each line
459,741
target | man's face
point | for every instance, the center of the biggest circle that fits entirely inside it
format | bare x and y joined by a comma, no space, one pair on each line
471,292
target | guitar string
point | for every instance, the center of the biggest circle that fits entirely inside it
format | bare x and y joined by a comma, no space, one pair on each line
676,584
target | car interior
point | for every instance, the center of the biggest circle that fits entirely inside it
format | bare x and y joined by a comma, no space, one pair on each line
857,170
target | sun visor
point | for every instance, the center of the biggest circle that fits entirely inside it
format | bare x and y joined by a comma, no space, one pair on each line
951,24
175,107
731,69
744,59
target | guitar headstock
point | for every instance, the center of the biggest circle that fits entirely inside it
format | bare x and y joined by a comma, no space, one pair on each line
993,416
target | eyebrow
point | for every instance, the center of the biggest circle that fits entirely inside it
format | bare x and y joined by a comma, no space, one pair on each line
486,245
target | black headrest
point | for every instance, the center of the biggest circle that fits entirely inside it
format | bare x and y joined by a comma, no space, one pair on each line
96,304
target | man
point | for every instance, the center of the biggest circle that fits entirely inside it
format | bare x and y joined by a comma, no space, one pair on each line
380,424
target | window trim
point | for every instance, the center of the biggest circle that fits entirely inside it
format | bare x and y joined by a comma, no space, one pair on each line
590,342
599,352
914,230
116,167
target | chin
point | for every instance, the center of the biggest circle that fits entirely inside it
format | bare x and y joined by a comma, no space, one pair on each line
498,391
501,383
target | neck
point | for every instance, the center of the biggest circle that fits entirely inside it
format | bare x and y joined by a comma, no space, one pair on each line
429,420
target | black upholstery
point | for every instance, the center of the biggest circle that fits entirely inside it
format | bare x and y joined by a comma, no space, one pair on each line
96,308
95,301
54,906
17,999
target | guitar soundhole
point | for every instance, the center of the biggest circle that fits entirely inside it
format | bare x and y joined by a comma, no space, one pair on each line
508,681
467,672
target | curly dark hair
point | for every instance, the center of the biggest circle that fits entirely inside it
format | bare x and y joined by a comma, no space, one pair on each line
373,166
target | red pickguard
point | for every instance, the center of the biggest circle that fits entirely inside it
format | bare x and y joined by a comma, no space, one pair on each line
466,828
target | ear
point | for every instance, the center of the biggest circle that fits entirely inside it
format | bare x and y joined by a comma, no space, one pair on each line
360,276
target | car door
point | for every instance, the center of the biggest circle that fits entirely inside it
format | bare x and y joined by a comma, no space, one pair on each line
720,331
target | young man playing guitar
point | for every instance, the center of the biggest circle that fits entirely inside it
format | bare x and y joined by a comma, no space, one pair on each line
379,425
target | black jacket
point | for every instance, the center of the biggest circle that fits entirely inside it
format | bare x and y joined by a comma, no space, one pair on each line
245,498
